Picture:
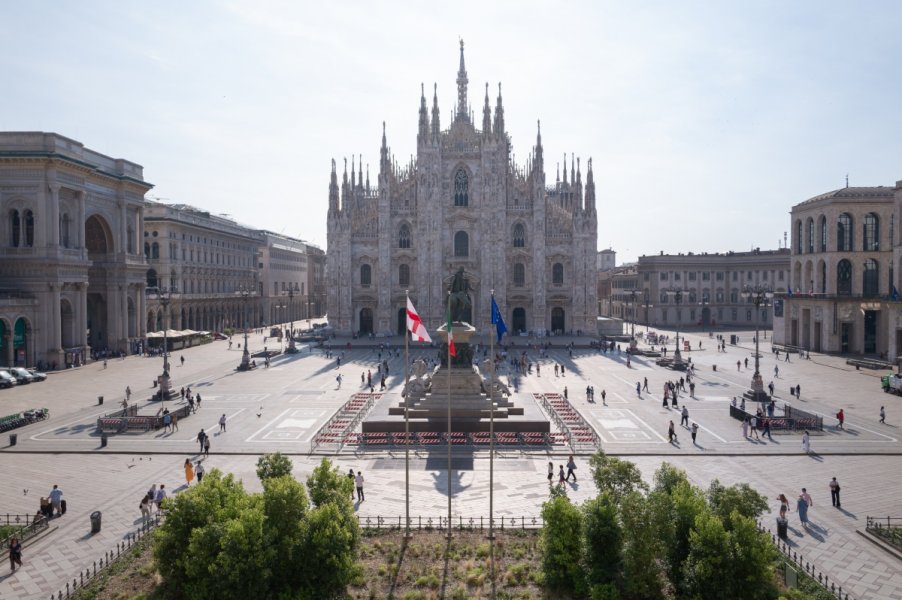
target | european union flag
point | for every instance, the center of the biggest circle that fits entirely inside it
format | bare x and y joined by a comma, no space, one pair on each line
790,291
895,294
497,321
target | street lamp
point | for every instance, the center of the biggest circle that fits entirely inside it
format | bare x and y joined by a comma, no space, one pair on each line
647,305
759,295
246,293
164,297
291,348
677,295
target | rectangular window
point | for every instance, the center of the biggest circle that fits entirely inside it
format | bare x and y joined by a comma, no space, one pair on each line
719,276
663,276
645,276
735,314
664,315
275,287
764,275
676,276
692,276
750,276
735,275
692,315
780,275
706,276
720,314
748,315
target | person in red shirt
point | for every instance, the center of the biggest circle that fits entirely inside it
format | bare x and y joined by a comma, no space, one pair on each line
840,416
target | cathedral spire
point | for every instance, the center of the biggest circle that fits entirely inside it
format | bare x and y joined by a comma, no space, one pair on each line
436,127
367,178
333,191
499,115
573,167
345,189
565,168
354,172
462,81
539,159
590,189
360,170
384,164
486,115
423,130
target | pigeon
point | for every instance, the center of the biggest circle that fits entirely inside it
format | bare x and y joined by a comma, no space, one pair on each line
24,492
258,415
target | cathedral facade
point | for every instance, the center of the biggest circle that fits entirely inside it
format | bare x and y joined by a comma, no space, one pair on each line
462,203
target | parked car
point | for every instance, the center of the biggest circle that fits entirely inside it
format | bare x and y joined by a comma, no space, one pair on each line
38,375
21,375
7,380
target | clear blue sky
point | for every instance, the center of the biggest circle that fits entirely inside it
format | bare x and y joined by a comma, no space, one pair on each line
706,121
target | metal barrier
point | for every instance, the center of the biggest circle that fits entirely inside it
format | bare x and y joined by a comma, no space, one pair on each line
84,577
791,421
460,522
26,532
888,529
128,419
808,568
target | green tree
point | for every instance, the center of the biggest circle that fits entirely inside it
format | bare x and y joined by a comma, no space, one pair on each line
273,465
641,549
667,477
331,540
285,505
675,515
753,557
742,497
619,477
603,541
561,546
326,484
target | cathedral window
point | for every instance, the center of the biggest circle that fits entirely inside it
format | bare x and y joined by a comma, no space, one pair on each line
519,236
404,237
403,274
461,244
461,188
519,275
29,229
155,250
366,275
557,274
15,224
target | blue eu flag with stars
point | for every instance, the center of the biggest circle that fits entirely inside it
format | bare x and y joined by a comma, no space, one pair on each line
497,321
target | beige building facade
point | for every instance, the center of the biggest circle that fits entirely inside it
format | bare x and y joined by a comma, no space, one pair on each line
462,203
844,249
72,274
284,277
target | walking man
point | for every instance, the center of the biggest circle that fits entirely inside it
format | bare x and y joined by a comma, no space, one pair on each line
684,420
638,390
183,360
671,433
222,423
882,416
834,493
358,481
754,425
128,393
694,433
841,417
201,438
766,424
571,468
645,385
776,372
56,499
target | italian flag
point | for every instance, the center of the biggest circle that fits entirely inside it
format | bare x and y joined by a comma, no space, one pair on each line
451,350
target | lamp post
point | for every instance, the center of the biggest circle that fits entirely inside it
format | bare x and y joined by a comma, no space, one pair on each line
291,347
759,295
677,295
164,297
632,314
246,293
647,305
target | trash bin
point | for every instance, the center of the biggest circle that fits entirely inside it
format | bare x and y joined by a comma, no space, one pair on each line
95,521
782,528
99,399
103,440
732,340
13,438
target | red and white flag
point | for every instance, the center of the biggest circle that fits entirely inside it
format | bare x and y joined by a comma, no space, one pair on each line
415,324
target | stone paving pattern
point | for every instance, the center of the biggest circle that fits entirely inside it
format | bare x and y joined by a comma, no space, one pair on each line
298,393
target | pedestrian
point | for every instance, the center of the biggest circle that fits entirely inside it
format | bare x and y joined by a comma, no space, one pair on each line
152,493
603,396
784,505
770,386
746,363
161,495
222,423
175,422
753,423
834,493
787,356
638,390
182,392
571,469
199,471
684,418
550,472
207,446
560,475
671,433
338,380
694,433
565,392
806,443
765,423
738,365
198,402
359,483
807,497
128,393
353,480
841,417
167,421
798,391
104,363
56,499
882,415
189,471
745,428
776,372
144,507
201,437
15,553
802,509
563,371
183,360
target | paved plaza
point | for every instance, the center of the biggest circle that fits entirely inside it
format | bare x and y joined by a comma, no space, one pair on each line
282,407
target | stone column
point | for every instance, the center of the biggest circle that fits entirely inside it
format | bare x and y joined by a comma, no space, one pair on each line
81,314
123,225
80,223
54,215
141,310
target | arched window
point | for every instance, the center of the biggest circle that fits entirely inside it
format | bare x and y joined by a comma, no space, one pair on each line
461,244
519,275
65,227
799,236
155,250
29,229
404,274
152,280
461,188
844,277
147,249
810,236
131,240
366,275
663,298
823,233
519,236
871,239
557,274
692,297
15,228
404,236
844,233
870,283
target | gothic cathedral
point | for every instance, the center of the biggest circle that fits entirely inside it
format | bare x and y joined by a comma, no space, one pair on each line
463,202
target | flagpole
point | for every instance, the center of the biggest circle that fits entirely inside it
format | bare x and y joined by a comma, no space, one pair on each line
406,425
492,445
450,340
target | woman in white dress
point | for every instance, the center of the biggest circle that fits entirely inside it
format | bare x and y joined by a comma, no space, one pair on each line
806,443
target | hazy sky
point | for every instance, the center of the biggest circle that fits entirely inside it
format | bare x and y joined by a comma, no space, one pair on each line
706,121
